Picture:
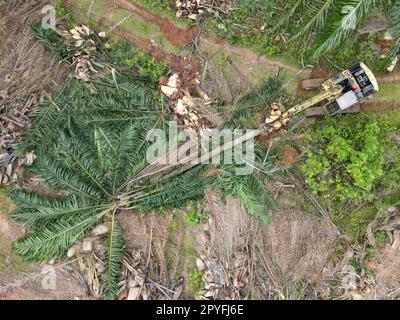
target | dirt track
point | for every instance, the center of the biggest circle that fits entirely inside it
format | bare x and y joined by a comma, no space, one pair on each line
394,77
178,36
172,33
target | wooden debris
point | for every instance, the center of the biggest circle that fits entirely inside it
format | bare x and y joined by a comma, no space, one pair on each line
100,230
393,64
81,36
74,250
199,9
276,111
190,103
13,123
87,245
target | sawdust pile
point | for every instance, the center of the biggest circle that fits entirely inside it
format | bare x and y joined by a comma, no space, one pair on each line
199,9
27,75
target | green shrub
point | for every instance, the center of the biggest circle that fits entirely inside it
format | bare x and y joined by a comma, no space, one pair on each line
195,281
63,12
345,159
121,52
147,65
193,218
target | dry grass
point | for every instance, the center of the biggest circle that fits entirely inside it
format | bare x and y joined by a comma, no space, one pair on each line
294,248
291,258
25,66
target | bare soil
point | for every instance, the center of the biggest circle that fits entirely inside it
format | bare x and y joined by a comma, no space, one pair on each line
289,156
393,77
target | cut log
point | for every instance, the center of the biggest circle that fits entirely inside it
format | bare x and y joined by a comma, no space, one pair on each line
311,84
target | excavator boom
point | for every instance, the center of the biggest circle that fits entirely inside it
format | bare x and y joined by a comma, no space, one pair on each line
330,95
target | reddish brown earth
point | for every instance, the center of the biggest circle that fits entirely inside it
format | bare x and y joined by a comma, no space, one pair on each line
393,77
319,73
289,156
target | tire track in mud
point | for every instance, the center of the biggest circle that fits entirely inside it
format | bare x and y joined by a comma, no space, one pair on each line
378,107
395,77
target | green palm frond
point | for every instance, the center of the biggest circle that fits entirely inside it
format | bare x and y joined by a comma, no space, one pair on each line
288,16
251,203
41,216
338,27
116,103
173,192
52,115
131,156
56,238
76,152
250,190
25,199
53,42
113,263
61,178
120,105
318,12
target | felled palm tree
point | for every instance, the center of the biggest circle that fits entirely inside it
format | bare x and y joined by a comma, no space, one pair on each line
90,149
86,171
91,141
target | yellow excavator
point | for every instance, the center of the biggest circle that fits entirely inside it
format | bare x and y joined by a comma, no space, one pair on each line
347,89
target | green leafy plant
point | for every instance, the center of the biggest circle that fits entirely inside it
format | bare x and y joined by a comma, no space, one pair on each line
193,218
147,65
122,52
62,11
195,280
346,160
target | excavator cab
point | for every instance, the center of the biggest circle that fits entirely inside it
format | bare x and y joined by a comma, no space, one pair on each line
358,83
